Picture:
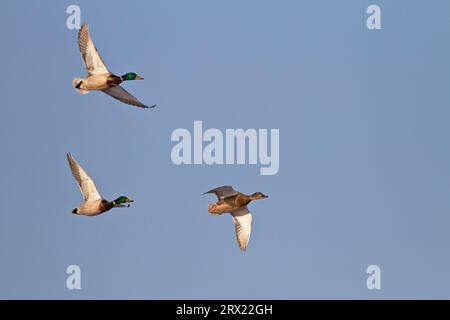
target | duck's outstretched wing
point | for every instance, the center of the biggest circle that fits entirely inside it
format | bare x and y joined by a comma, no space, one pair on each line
119,93
223,192
87,185
242,219
92,60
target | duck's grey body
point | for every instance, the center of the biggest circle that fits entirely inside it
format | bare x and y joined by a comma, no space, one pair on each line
93,208
97,82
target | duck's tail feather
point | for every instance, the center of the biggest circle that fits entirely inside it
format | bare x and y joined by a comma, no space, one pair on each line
77,83
75,210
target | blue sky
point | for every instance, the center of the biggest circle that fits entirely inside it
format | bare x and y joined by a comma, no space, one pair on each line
364,150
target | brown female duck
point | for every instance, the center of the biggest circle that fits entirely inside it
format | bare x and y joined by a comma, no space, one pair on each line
231,201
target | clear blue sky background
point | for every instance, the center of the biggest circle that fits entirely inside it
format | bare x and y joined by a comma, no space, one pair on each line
364,121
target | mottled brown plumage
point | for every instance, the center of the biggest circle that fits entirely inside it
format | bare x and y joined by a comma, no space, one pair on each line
231,201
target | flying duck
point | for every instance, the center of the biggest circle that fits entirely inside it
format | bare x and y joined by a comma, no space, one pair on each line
99,77
231,201
93,203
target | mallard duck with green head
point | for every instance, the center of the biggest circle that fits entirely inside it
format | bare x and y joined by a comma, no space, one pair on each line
93,203
99,77
234,202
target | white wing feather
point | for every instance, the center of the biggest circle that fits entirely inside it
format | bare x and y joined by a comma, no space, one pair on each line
92,60
242,219
87,185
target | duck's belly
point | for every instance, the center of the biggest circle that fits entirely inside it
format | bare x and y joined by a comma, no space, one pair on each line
92,208
95,82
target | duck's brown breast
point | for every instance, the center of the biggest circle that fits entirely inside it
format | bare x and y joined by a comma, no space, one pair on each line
242,200
106,205
113,80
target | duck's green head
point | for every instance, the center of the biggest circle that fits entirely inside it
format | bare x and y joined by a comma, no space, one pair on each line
131,76
122,200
